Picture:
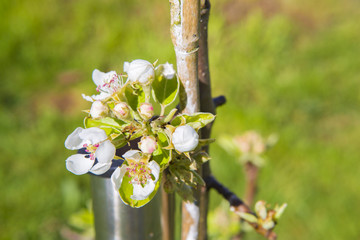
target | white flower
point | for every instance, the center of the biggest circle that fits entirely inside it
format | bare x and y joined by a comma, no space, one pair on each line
143,174
140,71
146,111
185,138
107,84
147,144
96,145
168,71
98,110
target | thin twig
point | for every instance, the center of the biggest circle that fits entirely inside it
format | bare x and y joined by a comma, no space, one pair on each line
237,204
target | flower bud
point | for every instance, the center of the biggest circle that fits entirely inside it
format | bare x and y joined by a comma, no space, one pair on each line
121,110
98,110
260,209
146,111
185,138
147,144
140,71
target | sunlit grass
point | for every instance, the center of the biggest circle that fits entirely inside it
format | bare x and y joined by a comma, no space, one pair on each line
290,68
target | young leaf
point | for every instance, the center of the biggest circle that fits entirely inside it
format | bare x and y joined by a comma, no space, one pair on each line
160,155
197,120
108,124
248,217
134,97
165,90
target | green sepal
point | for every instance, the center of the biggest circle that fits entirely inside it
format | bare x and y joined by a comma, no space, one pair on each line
197,178
170,115
201,157
126,191
119,141
165,90
196,121
204,142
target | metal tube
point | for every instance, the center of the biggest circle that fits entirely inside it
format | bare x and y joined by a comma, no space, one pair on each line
116,221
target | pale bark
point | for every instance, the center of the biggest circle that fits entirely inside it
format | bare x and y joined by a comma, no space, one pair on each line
185,37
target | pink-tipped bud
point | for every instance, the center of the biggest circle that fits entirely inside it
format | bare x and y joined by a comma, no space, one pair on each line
146,111
147,144
98,110
122,110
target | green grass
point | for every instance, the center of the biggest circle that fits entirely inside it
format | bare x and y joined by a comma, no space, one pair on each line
290,68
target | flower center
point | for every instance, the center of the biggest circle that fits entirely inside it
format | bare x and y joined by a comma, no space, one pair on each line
138,171
89,148
111,84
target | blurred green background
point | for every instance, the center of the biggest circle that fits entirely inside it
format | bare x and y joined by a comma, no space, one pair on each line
289,67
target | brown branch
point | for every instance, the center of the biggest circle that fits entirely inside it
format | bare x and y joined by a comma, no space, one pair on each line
167,213
206,105
251,175
237,204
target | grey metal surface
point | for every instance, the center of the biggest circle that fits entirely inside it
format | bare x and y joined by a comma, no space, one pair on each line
116,221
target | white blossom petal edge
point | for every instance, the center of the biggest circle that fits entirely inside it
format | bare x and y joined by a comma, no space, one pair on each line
185,138
96,145
143,174
140,71
168,71
107,84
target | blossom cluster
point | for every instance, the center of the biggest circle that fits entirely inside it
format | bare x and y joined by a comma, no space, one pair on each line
249,147
125,111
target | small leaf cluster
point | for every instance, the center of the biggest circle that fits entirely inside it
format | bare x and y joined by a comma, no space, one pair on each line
264,217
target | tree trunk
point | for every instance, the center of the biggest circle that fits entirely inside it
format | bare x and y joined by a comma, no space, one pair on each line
185,37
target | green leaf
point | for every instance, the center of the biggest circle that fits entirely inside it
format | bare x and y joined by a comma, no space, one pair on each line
134,97
126,191
108,124
160,155
165,90
248,217
197,120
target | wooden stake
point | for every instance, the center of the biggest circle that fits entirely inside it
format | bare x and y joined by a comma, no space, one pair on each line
185,37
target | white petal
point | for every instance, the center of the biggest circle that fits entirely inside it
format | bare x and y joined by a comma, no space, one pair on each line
87,98
168,71
94,135
141,193
74,141
105,152
101,96
117,177
132,154
78,164
155,169
98,77
126,66
100,168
